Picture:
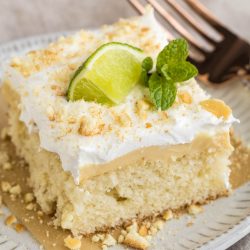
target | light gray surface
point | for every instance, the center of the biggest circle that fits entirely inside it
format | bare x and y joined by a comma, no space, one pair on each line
21,18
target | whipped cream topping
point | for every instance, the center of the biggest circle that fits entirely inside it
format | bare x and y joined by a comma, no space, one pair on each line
86,133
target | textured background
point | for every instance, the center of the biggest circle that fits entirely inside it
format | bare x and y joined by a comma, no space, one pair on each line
21,18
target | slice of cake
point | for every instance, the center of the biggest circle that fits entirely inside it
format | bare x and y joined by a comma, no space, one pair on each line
96,166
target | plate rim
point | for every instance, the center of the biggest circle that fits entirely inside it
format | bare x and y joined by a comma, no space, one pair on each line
225,239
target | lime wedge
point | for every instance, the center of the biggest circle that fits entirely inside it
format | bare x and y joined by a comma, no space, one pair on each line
108,75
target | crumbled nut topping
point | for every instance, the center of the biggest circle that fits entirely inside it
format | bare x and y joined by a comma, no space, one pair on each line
142,106
88,128
185,97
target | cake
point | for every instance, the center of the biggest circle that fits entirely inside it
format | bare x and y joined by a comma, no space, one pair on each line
95,166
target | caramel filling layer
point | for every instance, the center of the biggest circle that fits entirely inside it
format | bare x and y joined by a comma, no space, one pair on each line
202,143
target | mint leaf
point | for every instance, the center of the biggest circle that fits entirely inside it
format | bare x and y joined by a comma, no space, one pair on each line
179,71
175,51
162,91
147,65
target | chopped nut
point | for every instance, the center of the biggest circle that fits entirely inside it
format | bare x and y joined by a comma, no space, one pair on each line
143,231
168,215
141,108
90,129
19,228
10,220
72,243
148,125
50,113
185,97
216,107
163,115
123,119
5,186
195,209
16,190
28,197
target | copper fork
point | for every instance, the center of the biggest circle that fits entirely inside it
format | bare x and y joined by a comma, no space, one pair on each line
230,57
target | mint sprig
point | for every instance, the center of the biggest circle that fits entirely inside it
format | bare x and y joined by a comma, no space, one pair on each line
171,68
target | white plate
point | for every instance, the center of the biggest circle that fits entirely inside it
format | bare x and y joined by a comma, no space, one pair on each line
224,222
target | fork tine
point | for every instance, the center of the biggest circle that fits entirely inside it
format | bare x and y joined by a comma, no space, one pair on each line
141,10
138,6
189,18
177,26
205,13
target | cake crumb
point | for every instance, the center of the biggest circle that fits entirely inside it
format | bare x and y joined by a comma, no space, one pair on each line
11,219
7,166
109,240
133,239
15,190
4,133
19,228
158,224
168,215
120,238
143,231
189,224
5,185
40,213
30,206
72,243
195,209
28,197
95,238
